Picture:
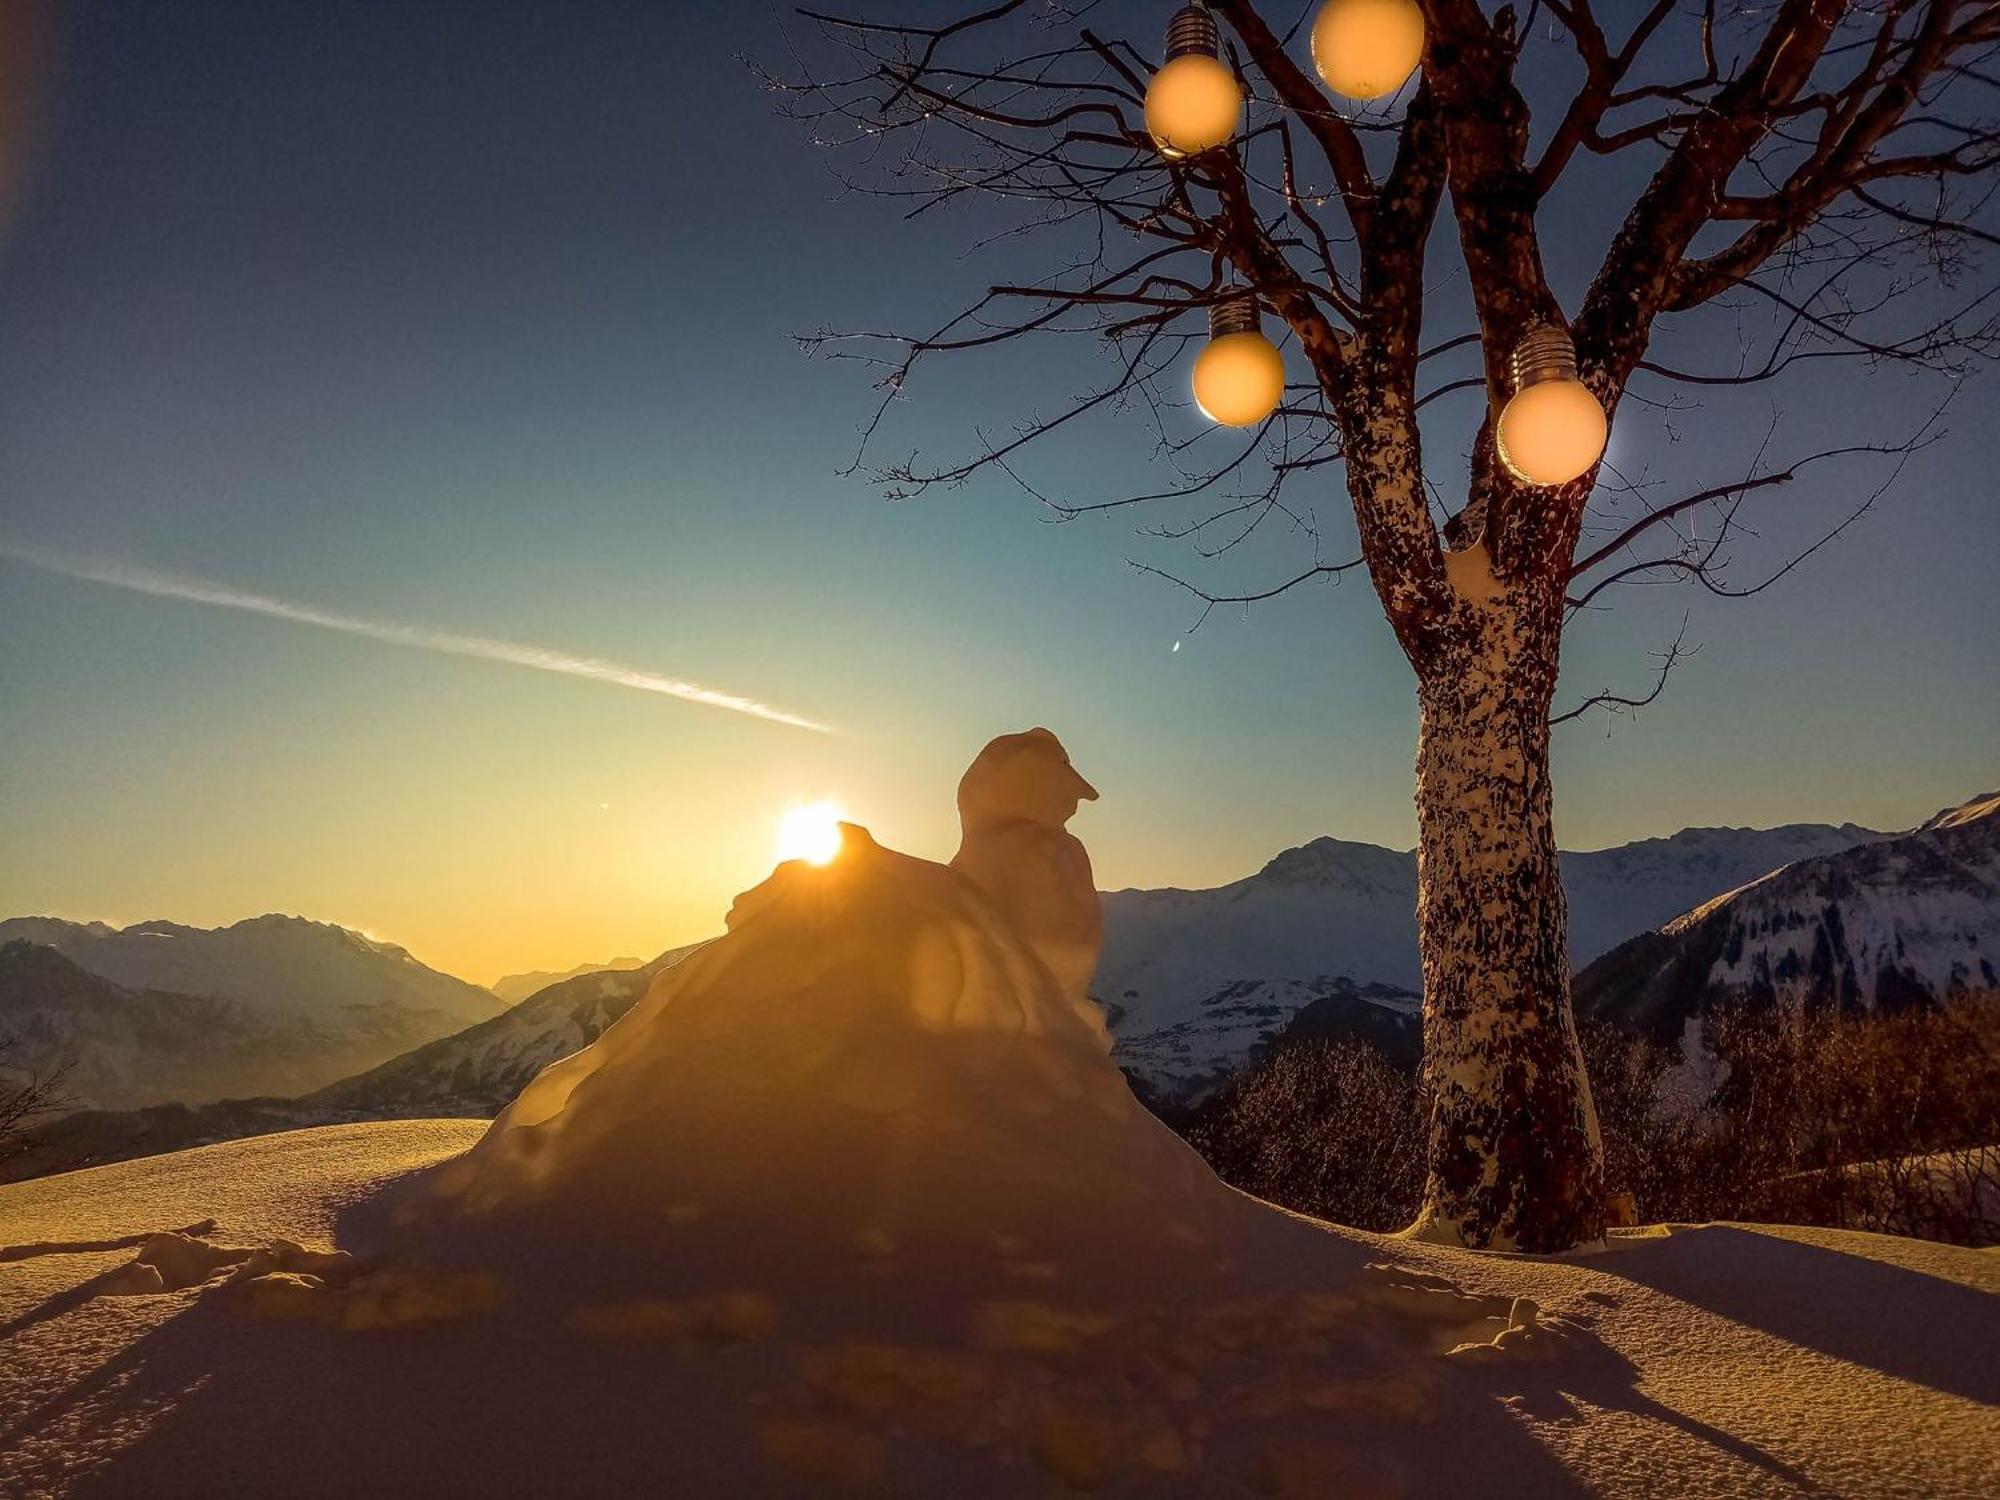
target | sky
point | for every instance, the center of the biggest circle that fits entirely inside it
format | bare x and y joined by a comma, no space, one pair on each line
404,442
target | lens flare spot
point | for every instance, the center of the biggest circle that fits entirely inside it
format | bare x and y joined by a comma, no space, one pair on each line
811,832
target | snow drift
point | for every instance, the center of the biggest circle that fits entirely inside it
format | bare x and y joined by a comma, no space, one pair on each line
869,1071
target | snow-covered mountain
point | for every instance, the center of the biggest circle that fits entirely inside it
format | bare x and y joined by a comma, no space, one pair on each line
470,1072
478,1070
1321,941
1194,981
1894,922
514,988
122,1046
274,1005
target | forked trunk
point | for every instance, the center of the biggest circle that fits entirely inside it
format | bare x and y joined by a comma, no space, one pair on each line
1514,1158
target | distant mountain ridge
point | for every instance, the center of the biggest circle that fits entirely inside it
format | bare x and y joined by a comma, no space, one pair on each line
160,1011
471,1072
1195,982
1895,922
514,988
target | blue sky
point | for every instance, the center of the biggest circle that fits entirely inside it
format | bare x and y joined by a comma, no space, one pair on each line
479,317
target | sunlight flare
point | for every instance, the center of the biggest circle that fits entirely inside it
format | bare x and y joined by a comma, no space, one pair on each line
811,832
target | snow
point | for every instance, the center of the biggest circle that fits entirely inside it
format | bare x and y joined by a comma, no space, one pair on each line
1711,1361
1985,805
1012,804
1195,981
1887,921
855,1198
871,1065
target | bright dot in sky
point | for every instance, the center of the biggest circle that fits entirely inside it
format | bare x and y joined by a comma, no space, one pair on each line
1177,645
811,832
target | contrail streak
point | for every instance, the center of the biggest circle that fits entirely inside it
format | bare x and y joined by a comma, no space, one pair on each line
541,658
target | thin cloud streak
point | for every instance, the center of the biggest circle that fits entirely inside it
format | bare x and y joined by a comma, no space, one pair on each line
486,648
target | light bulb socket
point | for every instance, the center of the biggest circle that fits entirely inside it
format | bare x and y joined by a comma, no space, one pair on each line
1192,30
1235,313
1545,352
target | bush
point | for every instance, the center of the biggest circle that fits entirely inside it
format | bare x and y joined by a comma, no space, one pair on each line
1331,1129
1888,1122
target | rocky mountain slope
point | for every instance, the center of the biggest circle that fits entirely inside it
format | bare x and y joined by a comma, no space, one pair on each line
274,1005
1894,922
478,1070
1195,981
119,1046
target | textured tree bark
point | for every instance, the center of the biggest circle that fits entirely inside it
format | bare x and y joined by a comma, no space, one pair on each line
1515,1161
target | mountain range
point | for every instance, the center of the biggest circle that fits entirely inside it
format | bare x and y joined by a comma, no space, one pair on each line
514,988
1195,983
160,1011
1891,923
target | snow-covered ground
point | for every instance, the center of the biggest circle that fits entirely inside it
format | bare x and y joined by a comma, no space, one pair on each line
855,1199
1723,1360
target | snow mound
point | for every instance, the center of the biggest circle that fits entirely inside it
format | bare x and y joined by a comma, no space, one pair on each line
870,1071
864,1157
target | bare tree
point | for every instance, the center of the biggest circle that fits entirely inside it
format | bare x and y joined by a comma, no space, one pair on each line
1810,175
27,1094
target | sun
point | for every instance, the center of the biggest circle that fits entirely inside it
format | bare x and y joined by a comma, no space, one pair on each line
811,832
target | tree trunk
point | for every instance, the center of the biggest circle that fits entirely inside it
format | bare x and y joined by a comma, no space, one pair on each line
1514,1160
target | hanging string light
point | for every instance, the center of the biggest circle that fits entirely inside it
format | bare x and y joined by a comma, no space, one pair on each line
1365,49
1552,428
1194,102
1239,377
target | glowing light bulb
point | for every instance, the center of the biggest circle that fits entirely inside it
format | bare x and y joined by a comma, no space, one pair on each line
1366,48
1239,376
1552,429
1194,102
